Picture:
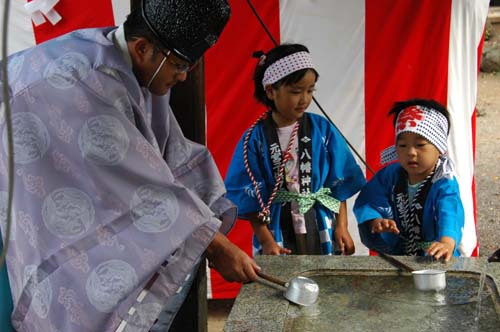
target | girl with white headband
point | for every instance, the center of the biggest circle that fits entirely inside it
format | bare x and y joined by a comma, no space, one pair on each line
292,171
413,207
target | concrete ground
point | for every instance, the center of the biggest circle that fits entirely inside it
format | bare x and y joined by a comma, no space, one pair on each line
217,314
487,169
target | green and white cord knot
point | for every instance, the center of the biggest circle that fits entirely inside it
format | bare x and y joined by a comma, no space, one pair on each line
306,201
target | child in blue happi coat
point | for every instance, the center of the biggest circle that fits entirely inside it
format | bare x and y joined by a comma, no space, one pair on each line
413,207
292,171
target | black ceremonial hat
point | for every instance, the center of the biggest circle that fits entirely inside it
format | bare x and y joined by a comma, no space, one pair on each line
186,27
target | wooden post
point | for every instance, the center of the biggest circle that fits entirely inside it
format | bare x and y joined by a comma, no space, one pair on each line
188,103
187,100
134,4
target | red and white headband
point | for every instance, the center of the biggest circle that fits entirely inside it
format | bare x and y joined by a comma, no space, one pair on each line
285,66
424,121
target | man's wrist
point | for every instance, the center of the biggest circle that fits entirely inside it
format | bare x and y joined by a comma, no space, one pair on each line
215,247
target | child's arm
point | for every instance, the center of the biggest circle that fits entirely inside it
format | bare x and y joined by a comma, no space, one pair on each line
450,220
266,239
342,236
442,249
373,210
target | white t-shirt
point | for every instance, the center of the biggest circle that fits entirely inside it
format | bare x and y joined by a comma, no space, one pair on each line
292,175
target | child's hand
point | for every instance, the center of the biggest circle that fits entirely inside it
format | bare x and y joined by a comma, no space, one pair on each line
272,248
269,246
380,225
442,249
344,240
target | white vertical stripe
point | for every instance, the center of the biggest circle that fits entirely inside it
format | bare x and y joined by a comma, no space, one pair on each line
210,294
120,10
324,236
20,30
467,24
334,32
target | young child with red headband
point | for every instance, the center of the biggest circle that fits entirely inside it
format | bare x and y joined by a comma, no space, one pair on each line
292,171
413,207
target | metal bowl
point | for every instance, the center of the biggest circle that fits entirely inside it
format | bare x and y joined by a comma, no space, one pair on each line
427,280
302,290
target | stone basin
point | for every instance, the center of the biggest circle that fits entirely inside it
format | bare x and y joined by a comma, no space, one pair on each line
369,294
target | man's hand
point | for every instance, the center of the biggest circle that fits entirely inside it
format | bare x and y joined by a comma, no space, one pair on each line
230,261
380,225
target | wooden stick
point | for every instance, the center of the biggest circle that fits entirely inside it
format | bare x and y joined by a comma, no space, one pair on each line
395,262
271,279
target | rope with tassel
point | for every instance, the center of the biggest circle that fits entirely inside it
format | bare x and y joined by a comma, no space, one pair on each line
264,214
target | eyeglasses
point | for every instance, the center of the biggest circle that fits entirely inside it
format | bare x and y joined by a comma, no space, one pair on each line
179,68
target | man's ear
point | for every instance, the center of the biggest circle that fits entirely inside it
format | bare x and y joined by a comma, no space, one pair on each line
139,49
269,92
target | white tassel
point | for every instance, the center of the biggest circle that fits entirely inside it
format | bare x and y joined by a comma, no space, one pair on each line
41,9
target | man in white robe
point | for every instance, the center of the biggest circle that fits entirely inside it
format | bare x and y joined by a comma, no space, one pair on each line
112,206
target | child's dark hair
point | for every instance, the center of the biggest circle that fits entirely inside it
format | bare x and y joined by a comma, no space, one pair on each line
399,106
271,57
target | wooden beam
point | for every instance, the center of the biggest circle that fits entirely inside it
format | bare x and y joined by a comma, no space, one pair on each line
134,4
188,103
187,100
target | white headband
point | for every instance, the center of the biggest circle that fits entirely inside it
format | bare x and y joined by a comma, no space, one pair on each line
426,122
285,66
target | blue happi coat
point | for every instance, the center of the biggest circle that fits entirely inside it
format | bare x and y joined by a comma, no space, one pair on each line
443,213
333,166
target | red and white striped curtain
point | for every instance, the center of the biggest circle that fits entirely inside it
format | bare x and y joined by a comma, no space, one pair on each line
22,32
369,54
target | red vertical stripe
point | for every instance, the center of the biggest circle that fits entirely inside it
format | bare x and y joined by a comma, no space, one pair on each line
76,15
231,107
475,252
406,56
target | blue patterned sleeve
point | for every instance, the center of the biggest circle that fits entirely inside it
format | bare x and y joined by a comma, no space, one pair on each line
347,177
374,202
374,199
449,210
240,189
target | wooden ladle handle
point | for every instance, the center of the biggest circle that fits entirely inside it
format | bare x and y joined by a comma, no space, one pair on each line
271,278
395,262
